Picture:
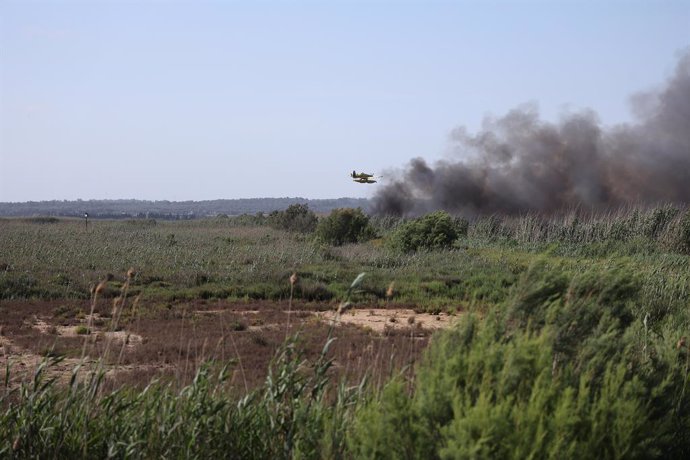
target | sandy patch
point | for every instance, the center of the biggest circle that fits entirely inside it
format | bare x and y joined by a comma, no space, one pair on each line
43,327
129,338
378,319
23,364
220,311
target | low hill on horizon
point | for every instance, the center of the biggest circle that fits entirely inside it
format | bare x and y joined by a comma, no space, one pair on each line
164,209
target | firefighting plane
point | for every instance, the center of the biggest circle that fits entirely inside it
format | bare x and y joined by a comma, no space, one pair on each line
362,178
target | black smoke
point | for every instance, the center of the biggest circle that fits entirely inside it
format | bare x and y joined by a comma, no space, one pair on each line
519,163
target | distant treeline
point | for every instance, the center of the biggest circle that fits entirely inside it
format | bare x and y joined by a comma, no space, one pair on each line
172,210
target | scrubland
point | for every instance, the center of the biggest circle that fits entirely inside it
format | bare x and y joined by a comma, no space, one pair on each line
563,337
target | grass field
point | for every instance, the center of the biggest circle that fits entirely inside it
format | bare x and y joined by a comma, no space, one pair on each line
564,337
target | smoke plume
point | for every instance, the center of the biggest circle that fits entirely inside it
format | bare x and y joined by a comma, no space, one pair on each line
519,163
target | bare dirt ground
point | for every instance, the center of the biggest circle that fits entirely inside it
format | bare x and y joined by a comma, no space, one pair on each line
382,319
170,341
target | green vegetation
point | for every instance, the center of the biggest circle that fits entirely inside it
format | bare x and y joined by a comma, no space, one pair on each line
663,229
288,417
81,330
573,340
437,230
296,218
234,258
566,369
242,257
345,226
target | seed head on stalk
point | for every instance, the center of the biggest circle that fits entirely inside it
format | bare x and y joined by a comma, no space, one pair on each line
293,281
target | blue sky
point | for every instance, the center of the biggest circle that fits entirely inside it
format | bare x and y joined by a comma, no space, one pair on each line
230,99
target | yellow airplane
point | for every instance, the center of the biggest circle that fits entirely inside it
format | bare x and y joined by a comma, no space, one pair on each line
356,175
362,178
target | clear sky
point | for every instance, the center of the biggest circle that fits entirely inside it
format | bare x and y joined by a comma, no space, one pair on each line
235,99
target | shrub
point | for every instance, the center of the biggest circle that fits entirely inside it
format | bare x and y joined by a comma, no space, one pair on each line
345,225
437,230
247,220
296,218
314,291
565,372
388,427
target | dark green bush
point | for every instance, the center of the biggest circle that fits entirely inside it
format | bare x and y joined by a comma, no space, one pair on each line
388,427
345,225
247,220
313,291
568,371
296,218
437,230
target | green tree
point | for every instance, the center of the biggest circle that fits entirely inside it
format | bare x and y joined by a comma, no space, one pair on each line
345,225
296,218
437,230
